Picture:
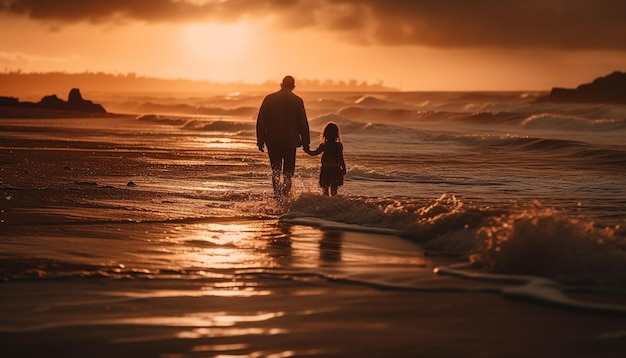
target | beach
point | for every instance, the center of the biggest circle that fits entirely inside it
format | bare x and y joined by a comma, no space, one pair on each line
165,319
156,235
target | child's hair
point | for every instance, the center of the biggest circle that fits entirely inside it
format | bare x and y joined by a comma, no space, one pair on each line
330,133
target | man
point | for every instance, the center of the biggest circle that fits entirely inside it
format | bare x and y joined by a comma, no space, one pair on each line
282,126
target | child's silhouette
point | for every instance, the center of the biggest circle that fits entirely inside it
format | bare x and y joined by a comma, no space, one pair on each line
333,166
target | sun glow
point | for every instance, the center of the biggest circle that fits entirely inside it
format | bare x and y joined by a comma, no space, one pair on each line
217,42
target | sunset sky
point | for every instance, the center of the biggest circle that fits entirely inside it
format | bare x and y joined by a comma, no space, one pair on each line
407,44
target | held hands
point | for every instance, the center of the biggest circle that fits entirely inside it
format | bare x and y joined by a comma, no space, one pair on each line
306,149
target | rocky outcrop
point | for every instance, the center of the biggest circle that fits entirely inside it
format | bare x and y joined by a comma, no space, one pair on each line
75,102
607,89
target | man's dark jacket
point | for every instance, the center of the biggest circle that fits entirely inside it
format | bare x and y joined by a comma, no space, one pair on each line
282,121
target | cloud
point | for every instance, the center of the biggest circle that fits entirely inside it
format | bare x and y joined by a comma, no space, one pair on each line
20,58
560,24
563,24
97,11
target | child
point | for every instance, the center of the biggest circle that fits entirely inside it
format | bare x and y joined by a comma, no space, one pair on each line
333,166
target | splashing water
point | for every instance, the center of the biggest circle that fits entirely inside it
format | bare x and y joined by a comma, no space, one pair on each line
546,242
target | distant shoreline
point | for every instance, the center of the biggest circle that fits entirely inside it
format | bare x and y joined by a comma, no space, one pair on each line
51,106
609,89
45,113
54,82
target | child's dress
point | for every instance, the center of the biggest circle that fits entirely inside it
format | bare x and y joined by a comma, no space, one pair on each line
333,165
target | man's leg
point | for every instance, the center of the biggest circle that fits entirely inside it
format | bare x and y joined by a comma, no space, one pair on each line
289,168
276,162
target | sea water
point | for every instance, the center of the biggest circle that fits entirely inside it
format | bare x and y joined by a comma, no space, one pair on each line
449,170
178,190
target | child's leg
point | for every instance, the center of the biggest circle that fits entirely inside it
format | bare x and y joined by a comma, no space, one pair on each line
333,190
326,190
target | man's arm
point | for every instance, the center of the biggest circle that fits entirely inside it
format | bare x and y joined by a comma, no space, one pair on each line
303,127
261,126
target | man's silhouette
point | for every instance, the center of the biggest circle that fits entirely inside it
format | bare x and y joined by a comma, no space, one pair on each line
282,126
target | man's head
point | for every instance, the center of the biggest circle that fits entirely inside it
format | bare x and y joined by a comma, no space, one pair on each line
289,83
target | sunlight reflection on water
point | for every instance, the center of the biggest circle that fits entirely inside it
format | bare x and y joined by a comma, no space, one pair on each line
202,292
230,332
217,245
222,143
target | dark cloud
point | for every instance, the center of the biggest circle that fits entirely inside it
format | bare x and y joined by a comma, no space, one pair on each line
561,24
576,24
98,11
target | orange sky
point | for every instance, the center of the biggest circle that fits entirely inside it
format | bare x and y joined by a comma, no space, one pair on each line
412,45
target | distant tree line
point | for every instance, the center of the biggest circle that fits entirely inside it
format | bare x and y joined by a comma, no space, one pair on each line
17,82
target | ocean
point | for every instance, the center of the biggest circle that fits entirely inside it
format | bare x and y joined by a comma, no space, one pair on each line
156,232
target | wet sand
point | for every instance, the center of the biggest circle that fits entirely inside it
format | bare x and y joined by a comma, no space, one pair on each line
317,321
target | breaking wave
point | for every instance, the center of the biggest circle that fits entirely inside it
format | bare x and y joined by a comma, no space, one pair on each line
530,240
547,121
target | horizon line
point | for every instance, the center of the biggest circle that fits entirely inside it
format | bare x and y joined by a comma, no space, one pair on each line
352,84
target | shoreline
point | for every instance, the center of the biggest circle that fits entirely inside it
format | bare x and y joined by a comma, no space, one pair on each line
157,318
16,112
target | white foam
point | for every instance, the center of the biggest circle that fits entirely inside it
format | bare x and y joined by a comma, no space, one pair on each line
297,218
532,288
